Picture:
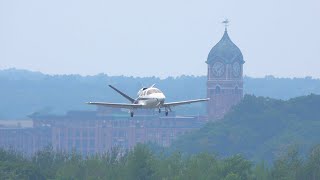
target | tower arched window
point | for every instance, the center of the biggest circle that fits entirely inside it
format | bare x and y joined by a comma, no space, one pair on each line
236,90
218,90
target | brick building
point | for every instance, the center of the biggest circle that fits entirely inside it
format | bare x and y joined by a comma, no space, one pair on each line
24,138
89,132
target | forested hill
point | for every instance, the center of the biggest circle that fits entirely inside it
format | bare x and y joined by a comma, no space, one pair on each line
24,92
259,128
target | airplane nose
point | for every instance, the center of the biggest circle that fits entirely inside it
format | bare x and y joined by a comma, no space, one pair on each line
161,98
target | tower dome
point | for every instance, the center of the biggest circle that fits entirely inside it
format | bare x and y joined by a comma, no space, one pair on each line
225,50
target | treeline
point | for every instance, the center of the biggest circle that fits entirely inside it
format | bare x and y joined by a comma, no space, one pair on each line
24,92
141,163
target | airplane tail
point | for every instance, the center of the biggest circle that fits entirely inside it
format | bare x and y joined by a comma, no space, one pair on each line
123,94
152,85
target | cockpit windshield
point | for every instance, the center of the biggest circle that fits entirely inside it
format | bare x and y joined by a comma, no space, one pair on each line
152,91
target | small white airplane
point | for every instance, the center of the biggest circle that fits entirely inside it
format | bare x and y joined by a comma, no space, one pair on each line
148,98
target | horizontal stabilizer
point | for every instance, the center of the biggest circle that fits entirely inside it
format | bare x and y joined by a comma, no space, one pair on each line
123,94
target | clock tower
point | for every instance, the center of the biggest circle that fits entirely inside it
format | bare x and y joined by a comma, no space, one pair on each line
224,78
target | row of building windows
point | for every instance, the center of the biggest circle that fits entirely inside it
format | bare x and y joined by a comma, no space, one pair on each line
78,143
218,90
77,133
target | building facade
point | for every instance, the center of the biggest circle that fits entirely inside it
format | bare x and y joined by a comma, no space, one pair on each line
92,134
96,132
27,140
224,78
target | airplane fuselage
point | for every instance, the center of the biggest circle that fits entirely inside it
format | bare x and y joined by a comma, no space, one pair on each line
150,98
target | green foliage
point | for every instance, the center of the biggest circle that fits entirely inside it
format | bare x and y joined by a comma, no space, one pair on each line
289,166
313,164
258,128
49,161
261,172
14,166
237,167
141,163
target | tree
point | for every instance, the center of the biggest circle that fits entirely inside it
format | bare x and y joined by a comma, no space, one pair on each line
313,164
140,163
288,166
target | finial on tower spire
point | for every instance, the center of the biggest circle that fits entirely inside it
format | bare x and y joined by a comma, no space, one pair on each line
226,23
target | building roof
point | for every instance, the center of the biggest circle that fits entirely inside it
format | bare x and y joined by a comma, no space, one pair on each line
225,50
16,123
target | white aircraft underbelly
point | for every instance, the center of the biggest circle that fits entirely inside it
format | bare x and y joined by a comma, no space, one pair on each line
150,103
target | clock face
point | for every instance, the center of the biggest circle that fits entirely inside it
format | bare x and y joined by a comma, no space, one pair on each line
236,69
218,69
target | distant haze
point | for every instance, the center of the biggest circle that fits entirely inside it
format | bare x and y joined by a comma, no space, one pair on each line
158,38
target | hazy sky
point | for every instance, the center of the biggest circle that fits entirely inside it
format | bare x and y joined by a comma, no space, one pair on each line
158,38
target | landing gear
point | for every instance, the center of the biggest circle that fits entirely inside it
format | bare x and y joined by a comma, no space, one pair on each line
167,109
131,114
159,110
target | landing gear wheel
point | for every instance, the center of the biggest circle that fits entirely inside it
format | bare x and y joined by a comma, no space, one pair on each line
167,113
131,114
159,110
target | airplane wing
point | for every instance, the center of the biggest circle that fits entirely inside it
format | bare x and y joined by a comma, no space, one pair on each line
183,102
116,105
